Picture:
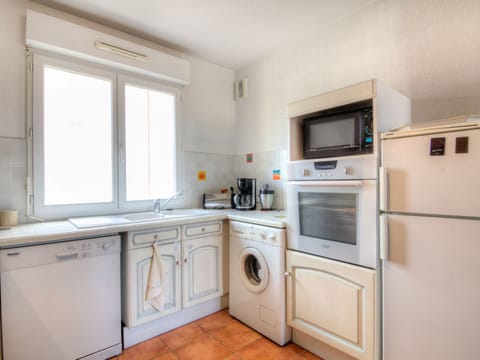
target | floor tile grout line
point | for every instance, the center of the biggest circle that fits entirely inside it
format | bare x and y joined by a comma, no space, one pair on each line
209,333
173,350
233,352
237,350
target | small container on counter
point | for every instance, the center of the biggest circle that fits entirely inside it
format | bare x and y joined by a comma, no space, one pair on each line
267,196
8,218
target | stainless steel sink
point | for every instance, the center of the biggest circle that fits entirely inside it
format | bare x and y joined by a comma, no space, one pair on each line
185,212
143,217
109,220
167,214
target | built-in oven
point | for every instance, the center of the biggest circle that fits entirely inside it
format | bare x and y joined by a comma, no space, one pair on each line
332,210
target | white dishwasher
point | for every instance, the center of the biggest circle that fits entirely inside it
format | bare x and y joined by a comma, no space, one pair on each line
62,300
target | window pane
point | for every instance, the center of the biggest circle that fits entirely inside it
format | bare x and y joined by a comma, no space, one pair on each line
77,138
150,143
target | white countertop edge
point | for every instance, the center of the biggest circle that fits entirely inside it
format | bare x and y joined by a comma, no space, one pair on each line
53,231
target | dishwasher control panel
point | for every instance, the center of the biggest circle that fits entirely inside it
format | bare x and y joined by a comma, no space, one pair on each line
35,255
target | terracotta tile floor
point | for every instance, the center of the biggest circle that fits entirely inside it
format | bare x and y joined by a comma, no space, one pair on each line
215,337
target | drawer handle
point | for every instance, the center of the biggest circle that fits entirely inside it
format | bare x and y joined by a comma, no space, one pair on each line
203,229
67,256
13,254
156,236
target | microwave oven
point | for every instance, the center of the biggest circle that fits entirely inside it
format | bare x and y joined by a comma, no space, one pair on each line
341,131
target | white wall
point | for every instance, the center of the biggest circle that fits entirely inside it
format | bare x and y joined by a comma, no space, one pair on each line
207,112
12,68
208,109
427,49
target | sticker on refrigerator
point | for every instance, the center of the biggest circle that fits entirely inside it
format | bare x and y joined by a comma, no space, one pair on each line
437,146
461,145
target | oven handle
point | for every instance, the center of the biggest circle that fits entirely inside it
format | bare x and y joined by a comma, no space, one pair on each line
345,183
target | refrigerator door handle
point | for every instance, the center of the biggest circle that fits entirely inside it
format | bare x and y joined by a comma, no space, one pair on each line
384,237
383,188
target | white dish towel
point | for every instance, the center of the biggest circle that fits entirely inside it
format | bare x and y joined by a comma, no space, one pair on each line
156,280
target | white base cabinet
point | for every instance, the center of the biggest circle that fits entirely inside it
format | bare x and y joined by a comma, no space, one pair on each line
332,302
193,255
202,269
138,272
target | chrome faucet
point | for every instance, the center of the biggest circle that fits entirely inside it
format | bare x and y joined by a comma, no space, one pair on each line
158,206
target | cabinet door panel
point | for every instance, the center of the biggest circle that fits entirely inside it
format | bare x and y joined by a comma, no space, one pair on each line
332,302
140,311
336,306
202,270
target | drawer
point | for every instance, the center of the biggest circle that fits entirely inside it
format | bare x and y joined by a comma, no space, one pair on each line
195,230
149,237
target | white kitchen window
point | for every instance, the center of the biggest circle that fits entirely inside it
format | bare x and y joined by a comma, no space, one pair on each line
102,142
148,141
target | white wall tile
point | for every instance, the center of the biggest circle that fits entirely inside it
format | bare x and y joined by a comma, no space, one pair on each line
6,187
220,175
262,168
12,175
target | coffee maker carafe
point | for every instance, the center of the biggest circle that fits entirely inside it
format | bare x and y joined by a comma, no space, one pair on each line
245,198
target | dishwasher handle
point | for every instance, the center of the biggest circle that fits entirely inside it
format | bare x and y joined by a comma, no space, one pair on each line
67,255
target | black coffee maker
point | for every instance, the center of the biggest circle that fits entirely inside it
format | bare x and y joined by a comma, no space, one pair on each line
245,198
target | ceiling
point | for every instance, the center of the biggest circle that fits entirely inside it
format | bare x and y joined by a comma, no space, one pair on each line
231,33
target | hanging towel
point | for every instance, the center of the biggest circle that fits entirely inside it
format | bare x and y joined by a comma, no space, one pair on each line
156,280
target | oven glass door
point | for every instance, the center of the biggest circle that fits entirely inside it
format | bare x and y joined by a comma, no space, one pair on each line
334,219
330,216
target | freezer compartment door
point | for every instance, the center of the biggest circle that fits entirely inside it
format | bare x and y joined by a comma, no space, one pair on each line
432,174
431,293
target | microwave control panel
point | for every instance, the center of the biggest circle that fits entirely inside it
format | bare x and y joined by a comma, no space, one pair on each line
367,129
340,169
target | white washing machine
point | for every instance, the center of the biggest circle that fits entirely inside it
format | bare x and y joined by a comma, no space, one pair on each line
257,280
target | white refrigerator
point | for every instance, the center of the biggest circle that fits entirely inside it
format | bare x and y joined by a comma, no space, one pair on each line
430,242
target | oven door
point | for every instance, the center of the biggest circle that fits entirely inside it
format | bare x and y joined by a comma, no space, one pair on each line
334,219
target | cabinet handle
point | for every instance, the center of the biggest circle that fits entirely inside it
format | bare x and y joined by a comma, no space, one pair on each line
203,229
185,260
384,237
178,262
287,273
67,256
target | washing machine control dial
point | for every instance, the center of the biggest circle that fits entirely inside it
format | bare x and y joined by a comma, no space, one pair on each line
263,235
272,238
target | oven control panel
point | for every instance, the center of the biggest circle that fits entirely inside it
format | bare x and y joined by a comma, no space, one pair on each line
338,169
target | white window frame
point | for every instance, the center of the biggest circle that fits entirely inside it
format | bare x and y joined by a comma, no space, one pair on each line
59,211
124,80
35,177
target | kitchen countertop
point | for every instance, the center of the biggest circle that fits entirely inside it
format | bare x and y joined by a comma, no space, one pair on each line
54,231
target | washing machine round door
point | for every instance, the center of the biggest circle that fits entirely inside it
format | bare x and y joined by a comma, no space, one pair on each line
253,270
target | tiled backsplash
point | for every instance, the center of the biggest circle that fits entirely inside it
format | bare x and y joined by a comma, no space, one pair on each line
221,173
262,168
12,175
